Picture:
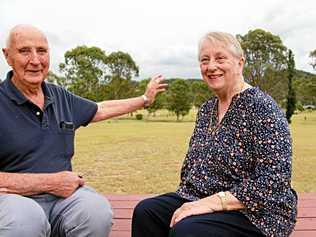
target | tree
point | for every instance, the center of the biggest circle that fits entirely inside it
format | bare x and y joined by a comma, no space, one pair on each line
53,78
85,70
179,98
313,56
122,68
200,92
118,88
305,87
291,100
264,53
122,65
159,103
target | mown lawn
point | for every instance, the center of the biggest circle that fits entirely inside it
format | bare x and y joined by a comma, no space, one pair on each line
129,156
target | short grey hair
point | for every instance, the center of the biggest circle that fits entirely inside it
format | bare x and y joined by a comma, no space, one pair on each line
18,28
228,40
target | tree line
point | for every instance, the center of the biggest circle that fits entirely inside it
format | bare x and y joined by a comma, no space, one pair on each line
91,73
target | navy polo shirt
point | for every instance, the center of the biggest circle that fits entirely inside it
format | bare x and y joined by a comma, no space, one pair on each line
36,141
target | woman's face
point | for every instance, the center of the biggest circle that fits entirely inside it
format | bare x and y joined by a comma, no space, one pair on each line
220,69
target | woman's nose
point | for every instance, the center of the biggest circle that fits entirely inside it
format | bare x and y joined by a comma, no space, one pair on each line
211,65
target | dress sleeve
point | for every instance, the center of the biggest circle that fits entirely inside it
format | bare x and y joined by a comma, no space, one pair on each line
268,183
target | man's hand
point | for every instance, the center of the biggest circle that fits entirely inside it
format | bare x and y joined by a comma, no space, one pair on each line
155,86
65,183
202,206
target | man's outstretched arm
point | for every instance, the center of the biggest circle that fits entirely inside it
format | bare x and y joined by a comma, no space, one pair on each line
113,108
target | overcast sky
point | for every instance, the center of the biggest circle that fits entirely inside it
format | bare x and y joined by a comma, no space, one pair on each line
161,35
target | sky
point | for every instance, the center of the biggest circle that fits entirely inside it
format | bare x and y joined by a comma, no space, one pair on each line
161,36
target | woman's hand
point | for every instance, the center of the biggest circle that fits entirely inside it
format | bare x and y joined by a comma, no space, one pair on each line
202,206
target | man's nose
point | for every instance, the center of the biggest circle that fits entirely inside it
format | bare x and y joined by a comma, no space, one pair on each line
34,59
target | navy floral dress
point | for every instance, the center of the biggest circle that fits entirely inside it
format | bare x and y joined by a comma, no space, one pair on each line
247,154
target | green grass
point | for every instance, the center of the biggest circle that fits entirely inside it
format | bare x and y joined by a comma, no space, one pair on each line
129,156
303,129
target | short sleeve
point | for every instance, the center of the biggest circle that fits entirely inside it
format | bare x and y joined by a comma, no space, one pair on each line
83,110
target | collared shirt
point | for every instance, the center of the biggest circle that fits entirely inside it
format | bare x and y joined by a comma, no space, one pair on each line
40,141
247,154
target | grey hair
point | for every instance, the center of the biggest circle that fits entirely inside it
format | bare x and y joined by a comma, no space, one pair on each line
17,28
228,40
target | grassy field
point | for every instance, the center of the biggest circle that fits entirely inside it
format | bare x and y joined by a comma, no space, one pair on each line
129,156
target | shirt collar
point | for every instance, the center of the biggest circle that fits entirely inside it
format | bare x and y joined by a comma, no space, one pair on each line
17,96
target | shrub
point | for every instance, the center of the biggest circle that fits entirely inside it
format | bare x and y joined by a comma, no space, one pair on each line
139,116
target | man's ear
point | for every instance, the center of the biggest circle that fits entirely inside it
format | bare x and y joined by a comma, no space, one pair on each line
6,55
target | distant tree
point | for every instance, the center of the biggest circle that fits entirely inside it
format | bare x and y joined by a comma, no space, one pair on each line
264,53
159,103
179,98
122,68
305,87
291,100
122,65
58,80
52,77
141,87
276,84
118,88
313,56
85,69
200,92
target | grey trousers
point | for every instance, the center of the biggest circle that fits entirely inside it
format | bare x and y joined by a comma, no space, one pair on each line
84,214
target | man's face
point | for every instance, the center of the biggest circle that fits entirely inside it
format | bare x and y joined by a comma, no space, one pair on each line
28,55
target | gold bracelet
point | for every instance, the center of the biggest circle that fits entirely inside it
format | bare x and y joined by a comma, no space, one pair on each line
222,197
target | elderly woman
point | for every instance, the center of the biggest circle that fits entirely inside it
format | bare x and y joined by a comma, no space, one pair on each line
236,176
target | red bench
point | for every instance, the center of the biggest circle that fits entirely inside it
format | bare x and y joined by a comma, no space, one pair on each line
123,208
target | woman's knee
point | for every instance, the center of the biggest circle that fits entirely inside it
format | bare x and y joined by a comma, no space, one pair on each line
181,230
21,216
193,226
143,208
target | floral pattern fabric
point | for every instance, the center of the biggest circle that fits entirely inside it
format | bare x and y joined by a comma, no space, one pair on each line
248,154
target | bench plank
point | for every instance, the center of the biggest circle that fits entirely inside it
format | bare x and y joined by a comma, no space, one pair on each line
123,209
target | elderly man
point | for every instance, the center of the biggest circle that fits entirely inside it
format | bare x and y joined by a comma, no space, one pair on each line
39,194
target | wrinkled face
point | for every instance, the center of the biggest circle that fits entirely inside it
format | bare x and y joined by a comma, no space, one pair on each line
220,68
28,55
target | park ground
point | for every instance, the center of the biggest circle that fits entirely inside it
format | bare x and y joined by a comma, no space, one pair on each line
127,156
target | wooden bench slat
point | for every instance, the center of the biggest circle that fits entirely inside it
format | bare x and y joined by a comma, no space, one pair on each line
306,224
295,234
123,204
122,224
304,212
123,208
129,197
303,196
307,203
123,213
125,234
